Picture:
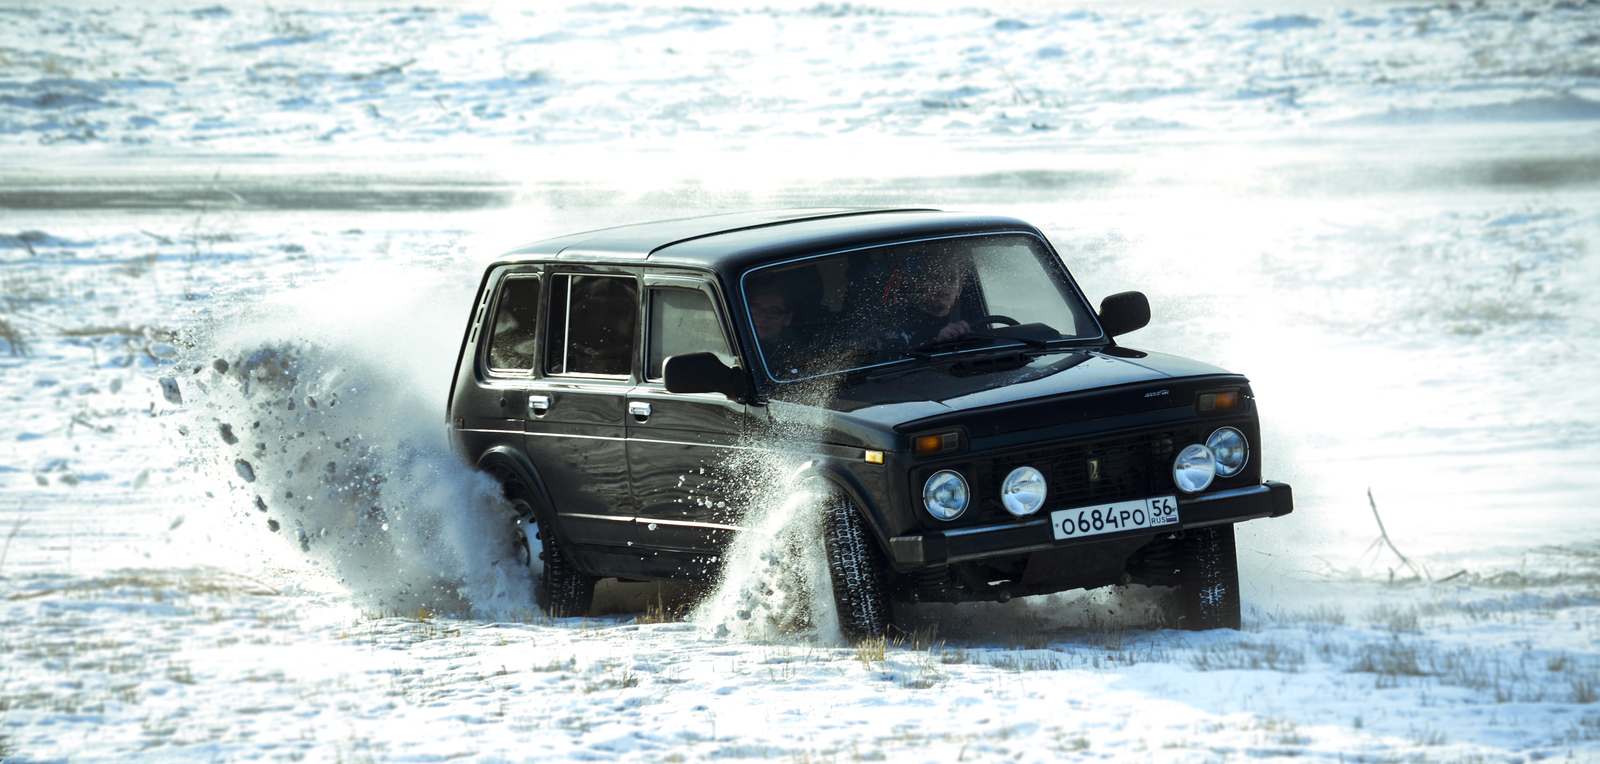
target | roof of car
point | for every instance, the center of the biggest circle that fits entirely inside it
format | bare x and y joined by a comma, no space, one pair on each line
732,242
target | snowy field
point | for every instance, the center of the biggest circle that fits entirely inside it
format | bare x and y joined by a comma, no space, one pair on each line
1384,214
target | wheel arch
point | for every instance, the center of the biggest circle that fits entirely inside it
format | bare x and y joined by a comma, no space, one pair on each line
506,463
838,477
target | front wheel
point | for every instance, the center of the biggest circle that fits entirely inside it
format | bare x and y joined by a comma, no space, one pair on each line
563,590
855,565
1208,579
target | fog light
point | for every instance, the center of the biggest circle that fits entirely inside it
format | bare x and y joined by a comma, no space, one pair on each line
1230,449
1023,491
945,495
1194,468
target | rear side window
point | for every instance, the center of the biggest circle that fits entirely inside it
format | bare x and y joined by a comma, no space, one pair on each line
683,321
592,325
511,345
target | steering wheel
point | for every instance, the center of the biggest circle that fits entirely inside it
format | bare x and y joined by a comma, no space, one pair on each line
987,320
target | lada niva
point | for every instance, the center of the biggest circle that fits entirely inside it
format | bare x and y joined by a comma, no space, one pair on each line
973,430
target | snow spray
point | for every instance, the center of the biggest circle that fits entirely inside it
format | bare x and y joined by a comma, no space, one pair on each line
316,418
774,582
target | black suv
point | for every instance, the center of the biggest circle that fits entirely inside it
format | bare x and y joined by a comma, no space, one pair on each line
973,431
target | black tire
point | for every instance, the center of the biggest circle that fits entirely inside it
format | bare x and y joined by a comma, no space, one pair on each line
1208,579
563,590
856,568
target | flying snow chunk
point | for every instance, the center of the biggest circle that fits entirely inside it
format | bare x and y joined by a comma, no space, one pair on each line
169,390
245,470
227,433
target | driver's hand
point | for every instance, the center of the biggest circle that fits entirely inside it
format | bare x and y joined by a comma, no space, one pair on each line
953,330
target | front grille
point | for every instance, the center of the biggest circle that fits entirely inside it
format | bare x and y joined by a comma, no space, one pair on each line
1131,466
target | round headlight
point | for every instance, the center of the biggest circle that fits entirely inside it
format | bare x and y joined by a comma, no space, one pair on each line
1229,447
945,495
1023,491
1194,469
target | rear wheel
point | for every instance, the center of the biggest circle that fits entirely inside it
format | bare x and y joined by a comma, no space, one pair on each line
855,565
563,590
1208,579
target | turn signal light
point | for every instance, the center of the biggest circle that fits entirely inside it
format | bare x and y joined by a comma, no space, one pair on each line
1219,401
933,444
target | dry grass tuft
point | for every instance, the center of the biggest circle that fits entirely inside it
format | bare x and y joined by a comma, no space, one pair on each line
1391,658
871,649
661,612
1243,655
13,338
199,581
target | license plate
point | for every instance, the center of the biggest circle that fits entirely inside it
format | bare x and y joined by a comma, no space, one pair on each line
1111,518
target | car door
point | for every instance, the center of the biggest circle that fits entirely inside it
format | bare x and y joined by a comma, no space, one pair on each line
684,450
576,408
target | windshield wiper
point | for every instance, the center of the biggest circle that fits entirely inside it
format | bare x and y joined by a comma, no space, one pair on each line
953,344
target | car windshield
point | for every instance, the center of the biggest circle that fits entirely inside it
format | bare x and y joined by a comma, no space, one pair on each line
873,307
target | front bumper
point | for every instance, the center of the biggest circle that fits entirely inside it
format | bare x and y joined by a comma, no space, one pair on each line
1270,499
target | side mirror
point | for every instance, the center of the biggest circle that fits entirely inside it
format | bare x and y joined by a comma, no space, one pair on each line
1124,312
702,373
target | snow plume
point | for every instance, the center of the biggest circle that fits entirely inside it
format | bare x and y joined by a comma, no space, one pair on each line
774,582
316,419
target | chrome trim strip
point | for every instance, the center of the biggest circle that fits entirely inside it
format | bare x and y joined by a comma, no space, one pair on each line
581,516
582,375
569,435
502,432
688,524
690,443
637,440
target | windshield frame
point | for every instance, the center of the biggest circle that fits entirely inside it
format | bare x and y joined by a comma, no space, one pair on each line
743,308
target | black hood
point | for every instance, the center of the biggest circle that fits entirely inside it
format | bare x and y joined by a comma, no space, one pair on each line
929,396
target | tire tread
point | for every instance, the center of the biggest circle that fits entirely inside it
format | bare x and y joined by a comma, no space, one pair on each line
1208,572
856,568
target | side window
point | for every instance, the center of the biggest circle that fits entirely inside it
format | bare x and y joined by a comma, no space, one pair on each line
682,321
592,323
512,340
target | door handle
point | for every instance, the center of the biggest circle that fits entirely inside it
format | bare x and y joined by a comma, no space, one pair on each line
639,409
538,405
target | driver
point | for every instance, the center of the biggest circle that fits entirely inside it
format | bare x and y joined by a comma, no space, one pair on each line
931,313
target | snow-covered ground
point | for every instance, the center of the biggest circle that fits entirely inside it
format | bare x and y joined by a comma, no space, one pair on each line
1383,213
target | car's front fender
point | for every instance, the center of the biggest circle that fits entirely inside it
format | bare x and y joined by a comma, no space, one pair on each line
834,473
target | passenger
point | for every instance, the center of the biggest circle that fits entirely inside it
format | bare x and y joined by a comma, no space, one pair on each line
772,315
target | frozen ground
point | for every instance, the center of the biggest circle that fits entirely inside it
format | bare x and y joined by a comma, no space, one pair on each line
1383,213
